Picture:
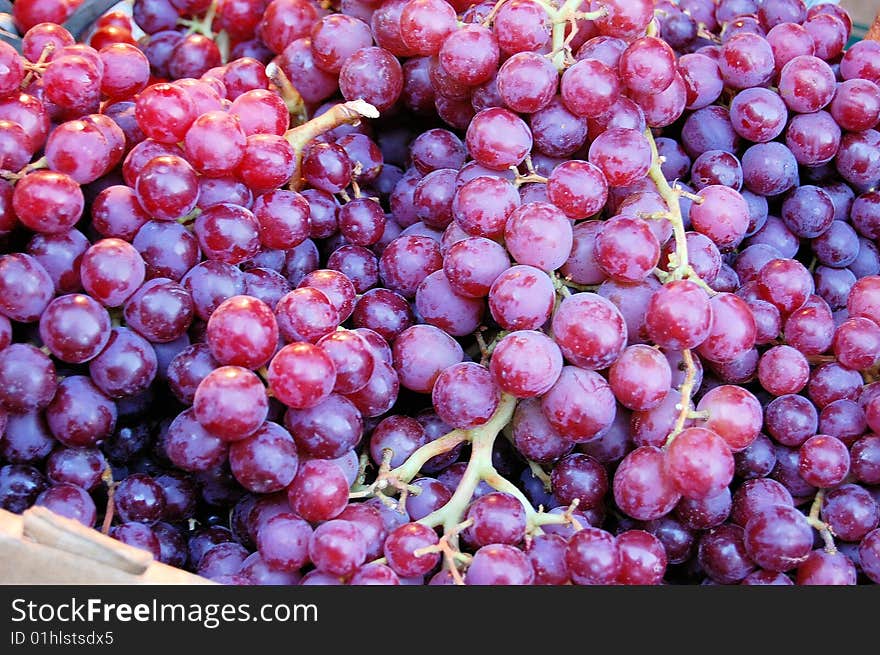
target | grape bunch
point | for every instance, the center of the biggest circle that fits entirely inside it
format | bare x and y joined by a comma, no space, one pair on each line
441,292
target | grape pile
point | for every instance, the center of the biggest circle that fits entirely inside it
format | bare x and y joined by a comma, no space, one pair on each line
428,292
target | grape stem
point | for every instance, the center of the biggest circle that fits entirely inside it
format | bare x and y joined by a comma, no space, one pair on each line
39,66
820,525
204,25
296,106
478,467
107,479
680,268
346,113
568,14
687,389
36,165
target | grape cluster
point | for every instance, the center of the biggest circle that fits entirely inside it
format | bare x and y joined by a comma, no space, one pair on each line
442,292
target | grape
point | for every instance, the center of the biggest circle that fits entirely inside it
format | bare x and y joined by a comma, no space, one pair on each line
590,87
746,60
869,555
301,375
643,558
850,512
579,477
26,287
319,491
547,554
465,395
499,564
642,487
824,568
623,156
704,513
534,436
27,378
521,25
778,538
497,518
266,461
497,139
783,370
640,378
231,403
679,315
592,557
283,542
526,364
580,404
723,555
699,463
401,545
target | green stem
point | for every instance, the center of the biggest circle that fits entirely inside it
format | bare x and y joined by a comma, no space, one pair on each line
478,467
414,463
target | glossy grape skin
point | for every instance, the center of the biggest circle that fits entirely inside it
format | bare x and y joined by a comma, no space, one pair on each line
497,564
337,547
643,558
723,556
283,542
384,312
865,459
594,348
372,74
380,392
126,366
192,448
626,249
869,555
20,485
167,187
640,378
400,546
139,498
465,395
580,404
779,538
699,463
440,306
80,415
592,557
79,466
242,332
547,554
856,105
327,430
266,461
497,518
26,288
27,378
231,402
824,568
580,478
301,375
497,139
69,501
679,316
526,363
319,491
641,486
48,202
850,511
534,436
734,414
589,88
